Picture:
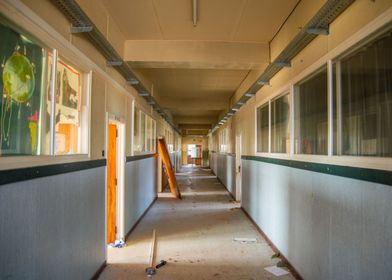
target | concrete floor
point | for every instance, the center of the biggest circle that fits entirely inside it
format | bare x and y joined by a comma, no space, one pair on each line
195,236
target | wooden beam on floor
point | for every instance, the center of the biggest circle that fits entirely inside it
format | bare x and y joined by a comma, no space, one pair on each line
163,152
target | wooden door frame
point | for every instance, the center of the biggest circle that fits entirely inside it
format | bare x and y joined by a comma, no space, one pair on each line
238,167
120,174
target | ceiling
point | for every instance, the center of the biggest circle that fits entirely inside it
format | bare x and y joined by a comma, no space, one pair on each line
196,69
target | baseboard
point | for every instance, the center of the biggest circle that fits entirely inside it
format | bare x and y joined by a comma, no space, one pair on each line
141,217
99,271
231,195
293,271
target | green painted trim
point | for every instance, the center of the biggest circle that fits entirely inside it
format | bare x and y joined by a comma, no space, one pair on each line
139,157
24,174
363,174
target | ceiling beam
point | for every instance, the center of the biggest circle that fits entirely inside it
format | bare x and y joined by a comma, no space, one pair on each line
196,54
180,120
195,126
194,103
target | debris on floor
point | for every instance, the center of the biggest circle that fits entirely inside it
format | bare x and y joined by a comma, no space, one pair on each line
117,244
276,255
245,240
277,271
160,264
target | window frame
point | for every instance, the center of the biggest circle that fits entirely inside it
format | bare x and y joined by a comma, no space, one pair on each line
28,25
148,118
367,34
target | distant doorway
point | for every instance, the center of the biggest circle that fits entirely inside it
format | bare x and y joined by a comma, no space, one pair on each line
194,155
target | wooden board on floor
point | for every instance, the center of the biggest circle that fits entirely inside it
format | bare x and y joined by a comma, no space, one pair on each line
163,152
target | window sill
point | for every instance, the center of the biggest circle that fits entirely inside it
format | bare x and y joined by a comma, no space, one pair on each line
360,162
14,162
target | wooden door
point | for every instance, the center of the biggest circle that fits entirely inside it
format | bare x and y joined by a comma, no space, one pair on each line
112,181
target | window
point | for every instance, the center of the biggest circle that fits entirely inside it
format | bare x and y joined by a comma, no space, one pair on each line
280,128
363,100
69,109
311,115
169,140
262,128
27,106
224,141
149,134
23,84
144,133
136,130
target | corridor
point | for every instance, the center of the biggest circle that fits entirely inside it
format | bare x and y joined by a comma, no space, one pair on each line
195,236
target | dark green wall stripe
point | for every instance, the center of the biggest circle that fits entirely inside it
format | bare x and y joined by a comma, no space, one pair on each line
364,174
28,173
139,157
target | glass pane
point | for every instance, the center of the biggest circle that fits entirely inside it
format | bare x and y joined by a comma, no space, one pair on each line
136,130
280,130
262,129
23,84
366,100
149,134
311,115
142,132
154,136
68,107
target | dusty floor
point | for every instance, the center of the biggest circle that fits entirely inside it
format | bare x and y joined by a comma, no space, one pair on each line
195,235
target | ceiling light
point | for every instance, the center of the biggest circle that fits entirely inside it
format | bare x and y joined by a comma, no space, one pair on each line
144,93
250,94
318,31
194,13
133,81
262,82
283,63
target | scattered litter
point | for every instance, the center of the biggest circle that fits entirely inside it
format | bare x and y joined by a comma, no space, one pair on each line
160,264
276,255
117,244
276,270
245,240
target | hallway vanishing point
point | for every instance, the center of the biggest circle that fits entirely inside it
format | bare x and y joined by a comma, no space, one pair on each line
195,236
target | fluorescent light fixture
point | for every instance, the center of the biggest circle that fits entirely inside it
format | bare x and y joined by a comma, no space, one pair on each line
250,94
194,14
235,109
318,31
262,82
81,29
144,93
230,114
133,81
114,62
283,63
